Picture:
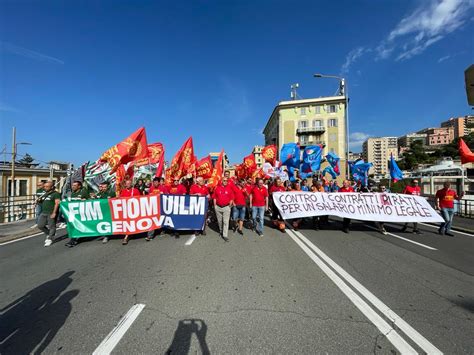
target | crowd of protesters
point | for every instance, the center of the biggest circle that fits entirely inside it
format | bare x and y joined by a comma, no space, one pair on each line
233,204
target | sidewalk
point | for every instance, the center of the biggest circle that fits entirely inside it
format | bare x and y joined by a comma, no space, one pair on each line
19,229
463,224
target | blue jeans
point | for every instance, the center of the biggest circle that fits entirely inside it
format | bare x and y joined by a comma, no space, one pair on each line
258,212
238,213
448,214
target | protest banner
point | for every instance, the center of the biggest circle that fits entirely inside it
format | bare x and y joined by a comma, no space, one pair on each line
377,207
132,215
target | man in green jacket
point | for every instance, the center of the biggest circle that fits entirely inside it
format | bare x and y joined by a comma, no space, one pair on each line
49,203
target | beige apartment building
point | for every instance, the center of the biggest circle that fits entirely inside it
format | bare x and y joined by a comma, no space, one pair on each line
438,136
257,153
377,150
309,122
462,126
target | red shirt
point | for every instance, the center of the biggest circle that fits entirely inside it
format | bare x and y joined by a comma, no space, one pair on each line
249,188
223,195
446,198
240,195
199,190
412,190
275,188
177,190
258,196
346,189
161,189
130,192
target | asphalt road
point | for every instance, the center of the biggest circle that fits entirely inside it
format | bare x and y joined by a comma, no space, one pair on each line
302,291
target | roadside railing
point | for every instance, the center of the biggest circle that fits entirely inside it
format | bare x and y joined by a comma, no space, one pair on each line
15,208
462,208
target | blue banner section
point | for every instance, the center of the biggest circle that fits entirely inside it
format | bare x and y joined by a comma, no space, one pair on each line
186,212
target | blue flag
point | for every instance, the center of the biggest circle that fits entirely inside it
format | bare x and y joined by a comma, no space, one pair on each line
290,155
311,159
329,170
395,172
360,172
333,160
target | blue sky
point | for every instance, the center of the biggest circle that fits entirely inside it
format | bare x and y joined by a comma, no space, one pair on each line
77,78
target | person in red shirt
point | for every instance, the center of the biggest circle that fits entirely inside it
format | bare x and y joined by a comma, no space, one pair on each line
223,201
412,189
259,204
278,222
177,188
231,181
200,189
158,187
240,203
346,222
128,191
445,201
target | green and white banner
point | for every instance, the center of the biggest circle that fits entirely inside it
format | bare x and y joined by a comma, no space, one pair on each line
132,215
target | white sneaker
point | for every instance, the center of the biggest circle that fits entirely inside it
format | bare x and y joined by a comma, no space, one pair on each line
105,240
62,225
48,242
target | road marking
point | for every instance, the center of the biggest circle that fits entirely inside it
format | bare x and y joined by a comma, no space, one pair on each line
190,240
24,238
113,338
406,239
452,230
389,332
419,339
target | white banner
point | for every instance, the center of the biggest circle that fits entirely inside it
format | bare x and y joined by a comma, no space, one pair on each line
378,207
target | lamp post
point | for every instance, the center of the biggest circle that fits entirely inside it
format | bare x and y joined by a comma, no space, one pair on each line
343,92
14,151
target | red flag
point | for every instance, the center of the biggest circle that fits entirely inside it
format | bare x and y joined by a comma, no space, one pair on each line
249,164
159,168
240,171
466,155
182,162
258,174
216,173
132,148
269,154
154,155
204,168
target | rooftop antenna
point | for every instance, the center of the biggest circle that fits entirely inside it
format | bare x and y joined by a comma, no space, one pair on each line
293,93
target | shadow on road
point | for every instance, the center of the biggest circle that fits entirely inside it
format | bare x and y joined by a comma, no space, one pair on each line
182,336
30,323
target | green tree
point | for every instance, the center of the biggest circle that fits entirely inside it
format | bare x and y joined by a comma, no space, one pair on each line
27,160
416,155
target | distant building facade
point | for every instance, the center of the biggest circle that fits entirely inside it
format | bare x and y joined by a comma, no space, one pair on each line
310,122
438,136
257,153
377,150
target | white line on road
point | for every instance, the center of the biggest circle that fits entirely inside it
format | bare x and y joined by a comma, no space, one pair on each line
373,316
419,339
113,338
190,240
24,238
406,239
452,230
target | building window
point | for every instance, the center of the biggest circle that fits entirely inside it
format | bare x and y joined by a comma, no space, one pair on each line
304,139
317,110
302,124
303,111
332,108
332,122
317,123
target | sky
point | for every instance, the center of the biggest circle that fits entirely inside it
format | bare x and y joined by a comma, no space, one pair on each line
78,77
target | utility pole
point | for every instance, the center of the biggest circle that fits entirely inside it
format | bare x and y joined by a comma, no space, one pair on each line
13,162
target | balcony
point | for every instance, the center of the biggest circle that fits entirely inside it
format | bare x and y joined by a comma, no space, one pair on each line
309,130
306,143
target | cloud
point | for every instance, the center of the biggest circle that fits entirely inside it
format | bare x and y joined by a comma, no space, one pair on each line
356,139
428,24
351,57
27,53
442,59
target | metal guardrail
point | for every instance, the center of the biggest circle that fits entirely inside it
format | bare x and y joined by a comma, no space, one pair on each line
462,208
310,129
15,208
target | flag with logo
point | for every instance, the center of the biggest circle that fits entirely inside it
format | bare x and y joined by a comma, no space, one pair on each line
132,148
290,155
311,159
269,154
204,168
395,172
182,162
217,172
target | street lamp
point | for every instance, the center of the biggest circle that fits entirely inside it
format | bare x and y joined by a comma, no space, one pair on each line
14,150
343,92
